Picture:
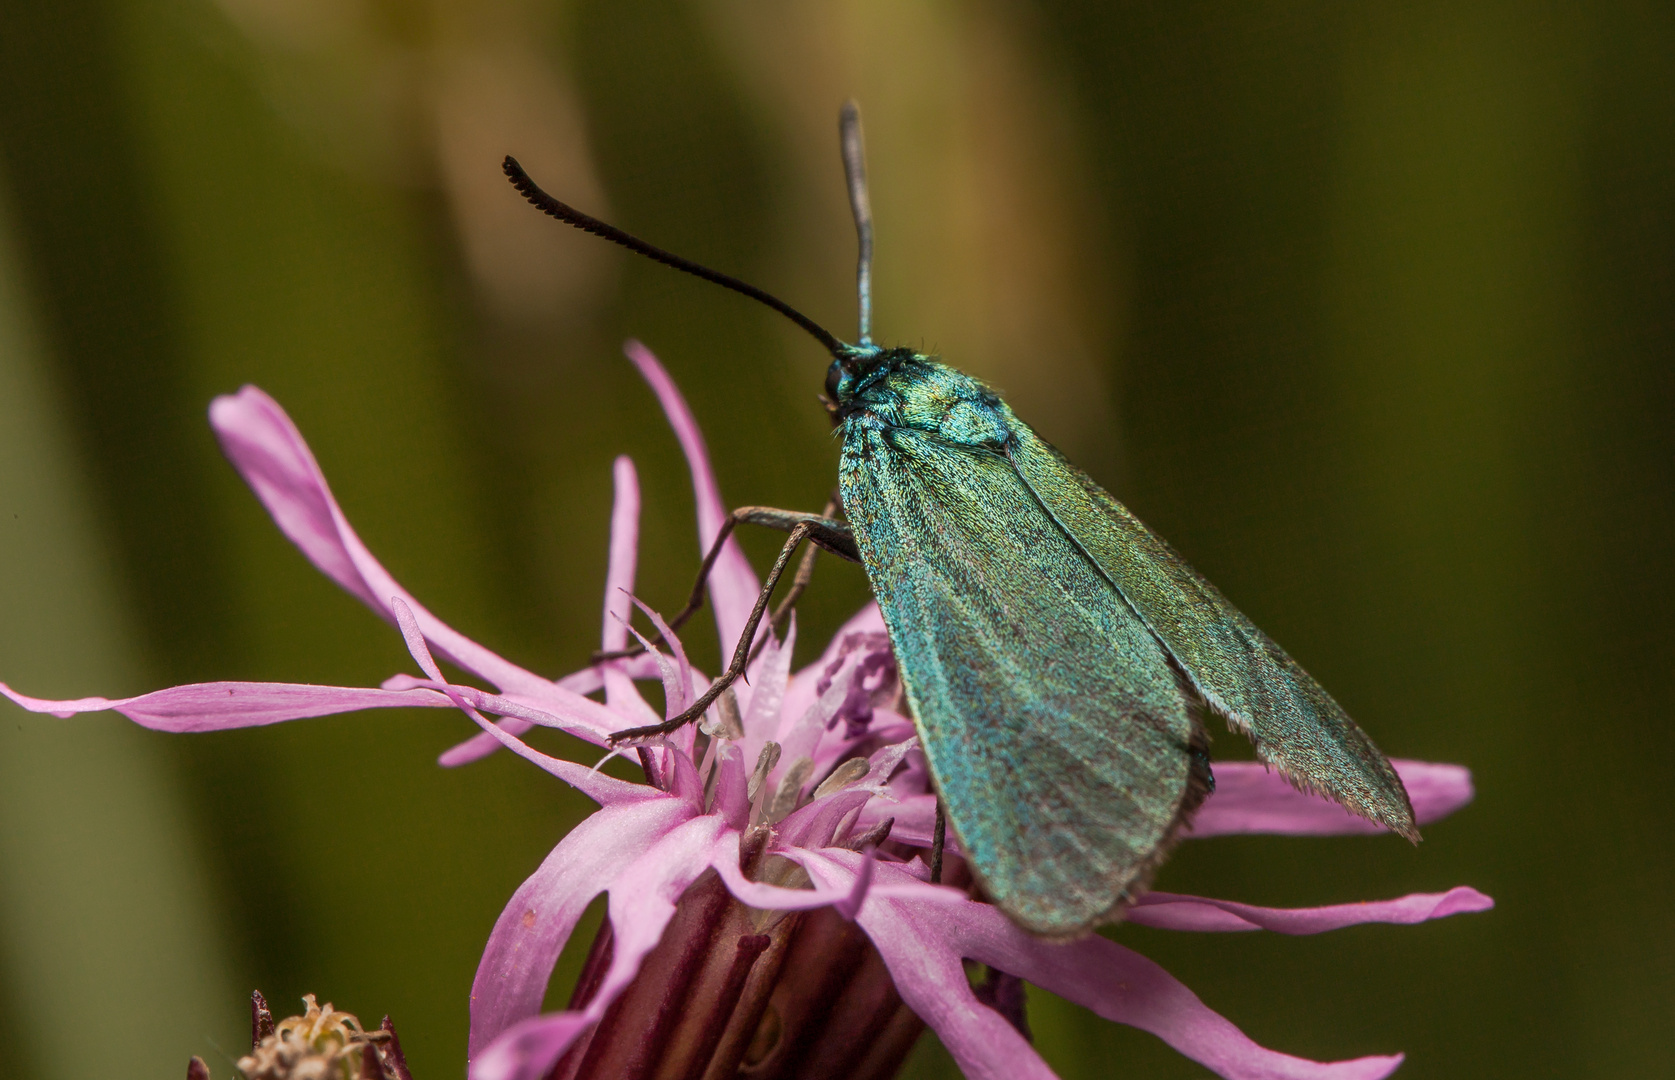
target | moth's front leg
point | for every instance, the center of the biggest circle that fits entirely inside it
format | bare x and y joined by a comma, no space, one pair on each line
823,530
800,531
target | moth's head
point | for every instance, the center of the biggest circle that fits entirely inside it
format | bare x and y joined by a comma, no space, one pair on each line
857,367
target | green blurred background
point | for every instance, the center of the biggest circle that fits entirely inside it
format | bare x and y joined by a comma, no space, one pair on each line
1370,309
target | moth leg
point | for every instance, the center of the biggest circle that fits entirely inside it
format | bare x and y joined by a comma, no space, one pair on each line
939,837
824,530
827,533
805,573
803,530
693,603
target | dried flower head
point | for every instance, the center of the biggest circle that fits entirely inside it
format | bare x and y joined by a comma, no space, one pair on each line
321,1044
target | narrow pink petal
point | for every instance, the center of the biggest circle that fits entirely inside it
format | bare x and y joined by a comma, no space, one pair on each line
642,900
479,746
605,789
882,766
801,733
530,933
1249,798
527,1049
222,706
769,680
602,789
851,904
815,824
1168,911
587,680
1126,987
554,706
415,638
619,580
914,814
644,894
623,698
666,670
923,945
725,860
681,694
684,782
915,819
800,695
582,717
929,973
837,885
269,452
733,585
732,801
625,548
482,744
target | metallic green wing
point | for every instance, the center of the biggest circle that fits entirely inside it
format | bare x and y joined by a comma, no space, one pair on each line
1239,670
1058,731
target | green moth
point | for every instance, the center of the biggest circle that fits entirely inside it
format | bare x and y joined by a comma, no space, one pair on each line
1056,654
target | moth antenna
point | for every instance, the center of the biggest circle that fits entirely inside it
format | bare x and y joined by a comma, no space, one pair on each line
571,216
860,205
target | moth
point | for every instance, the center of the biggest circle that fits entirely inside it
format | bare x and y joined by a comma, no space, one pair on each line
1055,653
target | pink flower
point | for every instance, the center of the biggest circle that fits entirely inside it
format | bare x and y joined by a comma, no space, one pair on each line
812,797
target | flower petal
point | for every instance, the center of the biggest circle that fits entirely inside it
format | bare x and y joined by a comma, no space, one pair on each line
923,948
725,861
883,763
1249,798
479,745
644,895
801,733
625,548
851,904
530,933
732,802
815,824
580,716
677,681
837,885
514,1055
915,818
930,974
642,901
269,452
769,682
684,782
666,671
733,584
619,582
803,691
1171,912
604,789
223,706
623,697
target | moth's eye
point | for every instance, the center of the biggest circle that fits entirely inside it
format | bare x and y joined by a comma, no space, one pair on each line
834,376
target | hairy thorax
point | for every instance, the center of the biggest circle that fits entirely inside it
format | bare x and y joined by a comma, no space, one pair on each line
911,391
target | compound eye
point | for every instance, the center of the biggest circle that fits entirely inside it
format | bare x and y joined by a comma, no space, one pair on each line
834,377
